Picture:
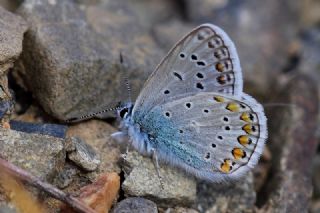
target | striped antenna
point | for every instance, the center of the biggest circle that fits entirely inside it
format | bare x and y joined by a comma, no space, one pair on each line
91,115
126,78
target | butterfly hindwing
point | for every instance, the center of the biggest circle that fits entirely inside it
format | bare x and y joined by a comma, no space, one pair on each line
205,60
216,137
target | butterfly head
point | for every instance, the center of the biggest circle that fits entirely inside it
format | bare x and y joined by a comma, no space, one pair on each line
124,111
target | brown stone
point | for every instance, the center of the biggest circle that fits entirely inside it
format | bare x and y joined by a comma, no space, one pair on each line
101,194
97,134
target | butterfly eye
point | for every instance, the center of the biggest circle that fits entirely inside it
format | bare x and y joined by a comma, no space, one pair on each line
123,112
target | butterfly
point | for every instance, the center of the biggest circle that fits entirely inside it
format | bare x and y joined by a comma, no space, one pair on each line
192,112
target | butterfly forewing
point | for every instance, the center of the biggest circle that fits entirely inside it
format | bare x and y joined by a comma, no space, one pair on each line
216,137
205,60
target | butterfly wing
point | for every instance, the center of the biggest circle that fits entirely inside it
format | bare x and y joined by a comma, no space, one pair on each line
216,137
205,60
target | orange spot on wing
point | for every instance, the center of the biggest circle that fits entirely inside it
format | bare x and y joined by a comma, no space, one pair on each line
238,153
218,99
244,140
233,107
219,67
248,128
226,166
246,117
221,79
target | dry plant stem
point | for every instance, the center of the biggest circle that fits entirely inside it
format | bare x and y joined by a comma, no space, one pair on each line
51,190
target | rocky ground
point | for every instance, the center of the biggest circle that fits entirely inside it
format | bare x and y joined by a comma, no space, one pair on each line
61,59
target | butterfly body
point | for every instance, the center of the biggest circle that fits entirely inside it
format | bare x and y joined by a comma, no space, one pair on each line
192,112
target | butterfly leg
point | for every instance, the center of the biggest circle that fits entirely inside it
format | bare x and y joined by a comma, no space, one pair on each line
127,148
122,138
156,166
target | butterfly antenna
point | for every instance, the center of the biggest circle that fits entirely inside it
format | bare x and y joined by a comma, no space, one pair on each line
91,115
126,78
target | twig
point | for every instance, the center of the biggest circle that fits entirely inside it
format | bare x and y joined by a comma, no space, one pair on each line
50,189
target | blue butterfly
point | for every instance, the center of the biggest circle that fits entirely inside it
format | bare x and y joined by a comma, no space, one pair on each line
192,112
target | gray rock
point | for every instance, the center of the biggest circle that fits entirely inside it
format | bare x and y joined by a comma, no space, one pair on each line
82,154
261,32
97,134
180,210
5,107
10,5
315,206
4,208
310,15
294,143
135,205
237,197
41,155
12,28
71,45
66,176
309,53
316,176
5,100
55,130
203,9
141,180
151,12
169,33
88,2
